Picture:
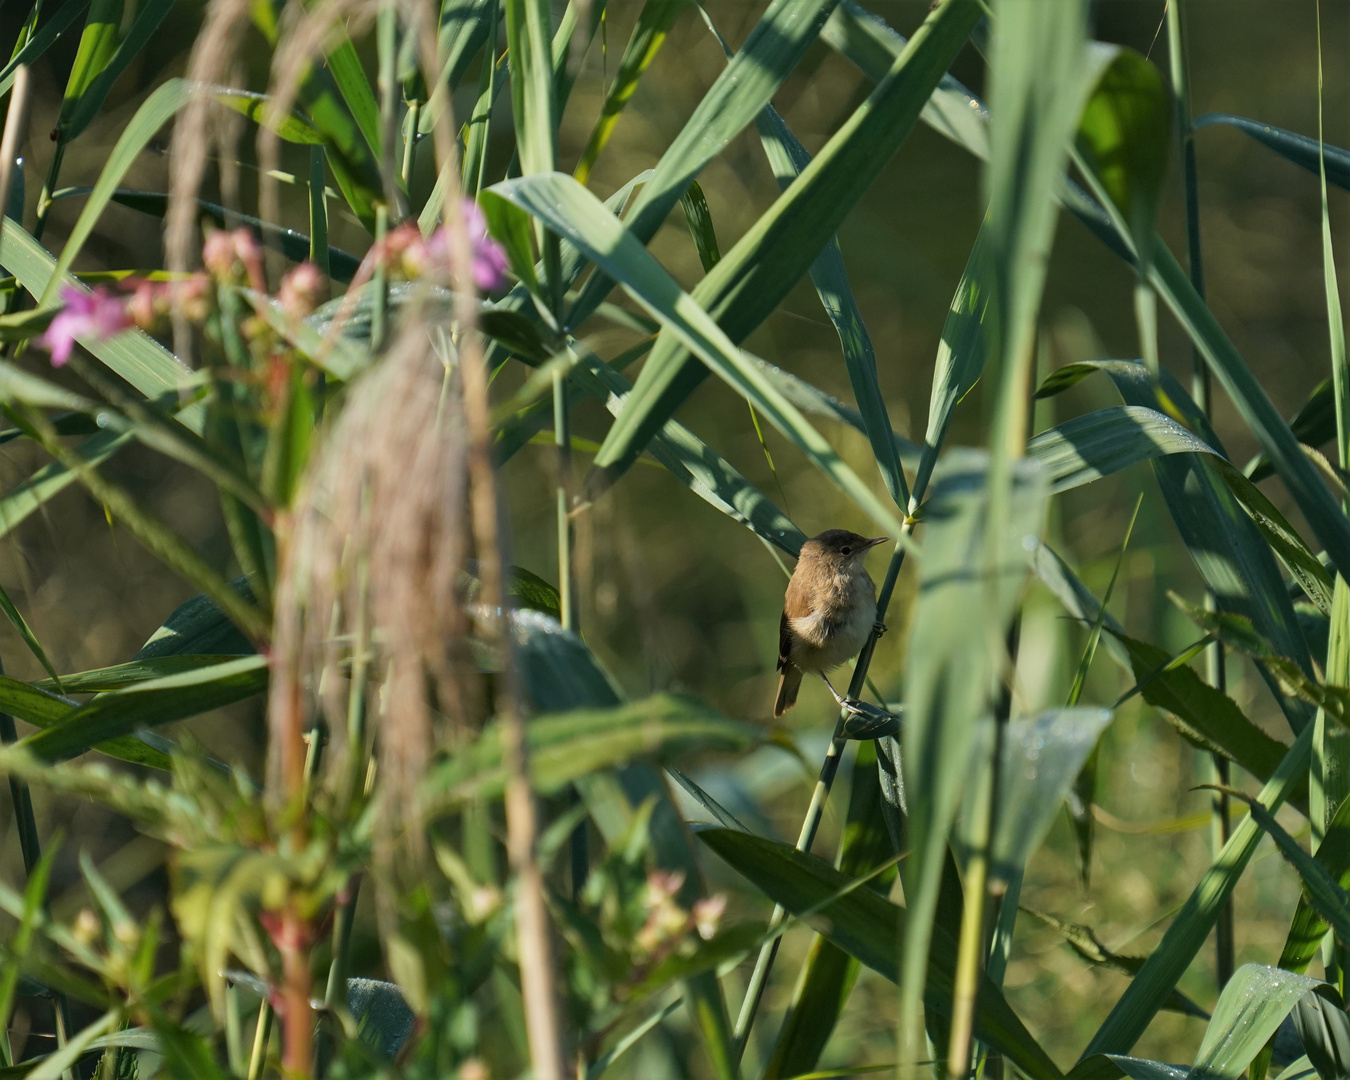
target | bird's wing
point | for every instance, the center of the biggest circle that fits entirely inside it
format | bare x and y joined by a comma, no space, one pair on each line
784,641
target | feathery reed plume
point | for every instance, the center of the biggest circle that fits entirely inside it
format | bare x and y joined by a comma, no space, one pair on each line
379,538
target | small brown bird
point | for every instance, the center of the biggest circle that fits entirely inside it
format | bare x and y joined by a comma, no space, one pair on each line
830,608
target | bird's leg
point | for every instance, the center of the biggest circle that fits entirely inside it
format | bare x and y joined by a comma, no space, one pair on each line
879,628
853,705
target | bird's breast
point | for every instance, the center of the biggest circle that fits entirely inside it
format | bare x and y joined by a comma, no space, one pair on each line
836,629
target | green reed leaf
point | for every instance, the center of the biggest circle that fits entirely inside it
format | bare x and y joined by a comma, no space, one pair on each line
153,114
653,24
1190,929
866,925
41,41
828,974
150,704
149,15
758,272
573,212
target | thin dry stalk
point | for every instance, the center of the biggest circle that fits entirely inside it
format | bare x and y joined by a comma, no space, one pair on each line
16,119
212,56
534,939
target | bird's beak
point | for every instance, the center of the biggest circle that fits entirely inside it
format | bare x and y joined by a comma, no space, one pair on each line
877,540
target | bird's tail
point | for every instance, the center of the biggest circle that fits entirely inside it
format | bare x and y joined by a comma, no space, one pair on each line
788,685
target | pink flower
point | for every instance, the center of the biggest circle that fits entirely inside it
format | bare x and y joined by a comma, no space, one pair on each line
99,314
489,257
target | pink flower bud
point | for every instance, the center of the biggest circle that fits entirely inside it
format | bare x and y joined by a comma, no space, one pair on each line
218,254
301,290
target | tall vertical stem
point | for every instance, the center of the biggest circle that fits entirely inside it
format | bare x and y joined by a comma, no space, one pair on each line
30,845
1178,57
759,978
562,438
534,944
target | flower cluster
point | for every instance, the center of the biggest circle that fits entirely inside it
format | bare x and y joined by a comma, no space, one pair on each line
667,922
416,256
235,258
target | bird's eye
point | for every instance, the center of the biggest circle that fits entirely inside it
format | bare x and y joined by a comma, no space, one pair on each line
847,550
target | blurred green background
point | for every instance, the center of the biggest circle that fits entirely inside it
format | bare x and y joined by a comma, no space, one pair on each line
676,596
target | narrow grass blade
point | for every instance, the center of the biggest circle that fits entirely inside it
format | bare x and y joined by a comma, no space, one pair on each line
1301,150
1039,80
1308,928
789,159
321,253
149,704
1190,929
649,33
27,497
64,1058
148,17
532,86
1322,891
1299,474
572,211
44,709
1204,715
724,816
1331,754
769,259
157,110
699,219
41,41
770,53
1228,548
870,44
356,91
97,45
354,163
20,624
1124,136
119,676
700,468
292,127
1313,424
1324,1030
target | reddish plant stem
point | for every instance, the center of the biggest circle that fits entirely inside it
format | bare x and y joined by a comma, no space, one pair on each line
298,1046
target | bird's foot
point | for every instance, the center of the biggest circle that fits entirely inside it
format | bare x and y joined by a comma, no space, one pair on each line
852,704
879,628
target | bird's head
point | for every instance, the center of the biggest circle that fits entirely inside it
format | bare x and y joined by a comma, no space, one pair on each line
839,549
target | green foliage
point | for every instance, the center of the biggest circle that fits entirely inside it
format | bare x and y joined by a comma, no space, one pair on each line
452,806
